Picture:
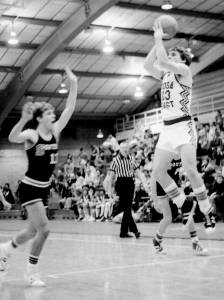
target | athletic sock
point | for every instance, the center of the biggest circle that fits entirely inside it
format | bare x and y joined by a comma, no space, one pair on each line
175,194
202,199
194,237
158,237
32,264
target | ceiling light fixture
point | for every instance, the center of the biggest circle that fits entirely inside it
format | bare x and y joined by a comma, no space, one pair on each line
108,48
13,40
63,89
166,5
100,134
138,92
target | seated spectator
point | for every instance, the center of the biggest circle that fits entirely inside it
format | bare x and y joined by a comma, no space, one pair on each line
79,181
92,203
7,192
4,205
217,195
76,201
85,203
17,193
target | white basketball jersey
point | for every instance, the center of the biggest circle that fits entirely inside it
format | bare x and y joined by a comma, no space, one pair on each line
175,97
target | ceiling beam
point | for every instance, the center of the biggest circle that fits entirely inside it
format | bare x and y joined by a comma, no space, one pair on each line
80,96
122,4
15,114
84,51
179,35
208,58
33,21
47,71
65,33
173,11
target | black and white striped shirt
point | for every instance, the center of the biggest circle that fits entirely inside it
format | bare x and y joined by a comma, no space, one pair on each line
124,166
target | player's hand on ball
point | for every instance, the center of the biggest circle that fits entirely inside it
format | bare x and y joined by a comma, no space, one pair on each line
158,31
27,112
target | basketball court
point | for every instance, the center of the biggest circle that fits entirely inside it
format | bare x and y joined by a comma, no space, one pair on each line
89,261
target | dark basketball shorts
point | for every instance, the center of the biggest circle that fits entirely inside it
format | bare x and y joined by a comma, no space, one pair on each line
30,194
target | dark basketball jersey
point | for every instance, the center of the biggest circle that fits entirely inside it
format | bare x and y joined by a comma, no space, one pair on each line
42,158
174,174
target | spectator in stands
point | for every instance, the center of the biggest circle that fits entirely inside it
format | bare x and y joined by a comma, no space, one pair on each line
216,142
4,205
85,202
139,197
79,181
92,203
17,193
93,153
217,194
219,118
208,169
60,177
7,192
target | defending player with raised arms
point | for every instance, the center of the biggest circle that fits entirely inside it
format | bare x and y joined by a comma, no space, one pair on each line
41,146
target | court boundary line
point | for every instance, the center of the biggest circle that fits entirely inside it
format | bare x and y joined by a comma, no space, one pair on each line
114,268
119,242
3,234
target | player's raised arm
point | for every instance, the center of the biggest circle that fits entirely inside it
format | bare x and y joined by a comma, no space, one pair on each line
17,135
163,60
151,64
70,103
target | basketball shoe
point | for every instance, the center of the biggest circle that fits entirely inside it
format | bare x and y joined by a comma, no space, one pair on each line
198,249
33,279
3,258
209,223
158,246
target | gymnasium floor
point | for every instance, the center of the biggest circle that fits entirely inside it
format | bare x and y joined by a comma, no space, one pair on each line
89,261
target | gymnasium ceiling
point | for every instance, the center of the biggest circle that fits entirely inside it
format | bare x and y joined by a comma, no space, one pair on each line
53,33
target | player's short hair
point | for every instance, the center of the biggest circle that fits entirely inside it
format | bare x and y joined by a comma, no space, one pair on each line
39,108
184,54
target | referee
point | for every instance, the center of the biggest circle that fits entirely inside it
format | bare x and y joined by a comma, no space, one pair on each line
124,168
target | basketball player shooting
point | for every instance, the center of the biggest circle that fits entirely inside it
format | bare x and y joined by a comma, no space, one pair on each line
178,134
41,145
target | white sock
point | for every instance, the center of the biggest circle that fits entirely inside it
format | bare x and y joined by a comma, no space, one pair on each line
194,239
31,268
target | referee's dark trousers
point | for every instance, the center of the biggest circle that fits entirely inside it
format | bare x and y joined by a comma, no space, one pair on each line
125,190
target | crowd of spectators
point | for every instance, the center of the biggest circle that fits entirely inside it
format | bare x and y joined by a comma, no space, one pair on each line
78,183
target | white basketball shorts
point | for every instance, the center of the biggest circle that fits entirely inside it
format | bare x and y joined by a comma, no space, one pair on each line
175,135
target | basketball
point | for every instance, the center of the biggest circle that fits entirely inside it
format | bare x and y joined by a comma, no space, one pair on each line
169,26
